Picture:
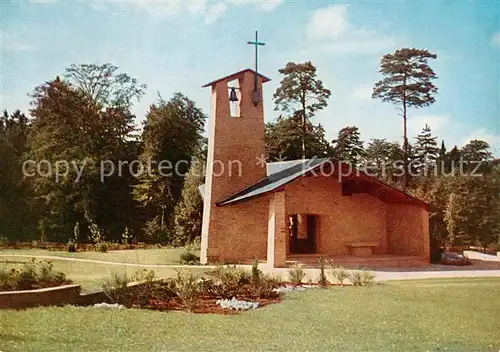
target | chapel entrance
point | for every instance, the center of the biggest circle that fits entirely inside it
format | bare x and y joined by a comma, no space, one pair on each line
302,233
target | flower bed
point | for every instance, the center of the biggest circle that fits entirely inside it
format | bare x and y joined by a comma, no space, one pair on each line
31,275
200,294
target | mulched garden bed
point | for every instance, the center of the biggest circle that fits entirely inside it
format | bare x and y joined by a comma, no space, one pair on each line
204,305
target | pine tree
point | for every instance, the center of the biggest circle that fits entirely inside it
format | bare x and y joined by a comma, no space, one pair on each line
382,159
284,140
426,152
407,82
302,94
348,146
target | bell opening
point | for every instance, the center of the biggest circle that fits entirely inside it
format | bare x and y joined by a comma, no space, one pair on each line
234,98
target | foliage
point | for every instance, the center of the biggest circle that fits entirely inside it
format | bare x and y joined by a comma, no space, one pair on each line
256,272
71,246
188,212
188,288
296,275
339,275
348,147
367,278
284,139
188,257
4,241
104,85
426,152
101,247
407,82
33,274
115,287
356,278
322,279
171,137
382,160
301,93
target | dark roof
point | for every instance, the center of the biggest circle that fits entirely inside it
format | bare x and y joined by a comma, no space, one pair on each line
281,173
275,180
234,75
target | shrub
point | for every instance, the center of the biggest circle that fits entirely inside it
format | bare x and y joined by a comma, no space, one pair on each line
187,287
194,246
101,247
8,278
355,278
367,278
264,286
144,276
71,246
229,280
115,287
322,279
340,275
256,272
189,257
296,275
31,275
4,241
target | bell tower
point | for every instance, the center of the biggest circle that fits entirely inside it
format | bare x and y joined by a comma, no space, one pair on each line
236,149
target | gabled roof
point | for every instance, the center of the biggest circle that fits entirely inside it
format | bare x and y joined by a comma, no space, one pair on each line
276,180
234,75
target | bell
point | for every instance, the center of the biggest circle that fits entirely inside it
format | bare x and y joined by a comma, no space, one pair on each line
232,95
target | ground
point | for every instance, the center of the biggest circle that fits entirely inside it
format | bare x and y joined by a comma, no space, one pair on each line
424,315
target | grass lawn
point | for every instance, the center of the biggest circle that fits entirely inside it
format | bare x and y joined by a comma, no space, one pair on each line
429,315
89,275
134,256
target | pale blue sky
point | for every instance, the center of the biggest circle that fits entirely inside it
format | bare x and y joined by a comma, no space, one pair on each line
179,46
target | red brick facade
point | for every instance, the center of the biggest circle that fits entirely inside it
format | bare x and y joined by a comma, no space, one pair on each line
258,228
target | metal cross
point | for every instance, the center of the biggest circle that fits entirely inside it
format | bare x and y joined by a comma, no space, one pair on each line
256,43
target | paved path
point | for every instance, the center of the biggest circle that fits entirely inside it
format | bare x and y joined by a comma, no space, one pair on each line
310,273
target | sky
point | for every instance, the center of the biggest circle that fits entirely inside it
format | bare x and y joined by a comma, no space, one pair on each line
177,46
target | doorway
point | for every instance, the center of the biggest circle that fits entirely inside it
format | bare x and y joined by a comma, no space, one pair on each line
302,233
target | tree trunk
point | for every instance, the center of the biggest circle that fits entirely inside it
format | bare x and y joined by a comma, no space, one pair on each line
303,127
405,143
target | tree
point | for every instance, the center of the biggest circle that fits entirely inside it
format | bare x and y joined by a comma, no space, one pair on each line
472,211
301,93
188,214
348,146
69,126
104,85
407,82
171,137
17,221
476,152
426,152
382,159
284,141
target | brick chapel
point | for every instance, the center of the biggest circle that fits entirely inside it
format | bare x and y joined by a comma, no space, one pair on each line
295,211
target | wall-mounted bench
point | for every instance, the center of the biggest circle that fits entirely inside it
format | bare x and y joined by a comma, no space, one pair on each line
361,249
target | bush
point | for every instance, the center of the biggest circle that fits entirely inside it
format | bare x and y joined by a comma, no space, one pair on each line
322,279
367,278
4,241
115,287
31,275
256,272
229,280
187,287
339,275
71,246
189,258
355,278
296,275
101,247
361,278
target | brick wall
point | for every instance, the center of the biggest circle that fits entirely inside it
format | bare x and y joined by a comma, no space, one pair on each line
341,219
52,296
